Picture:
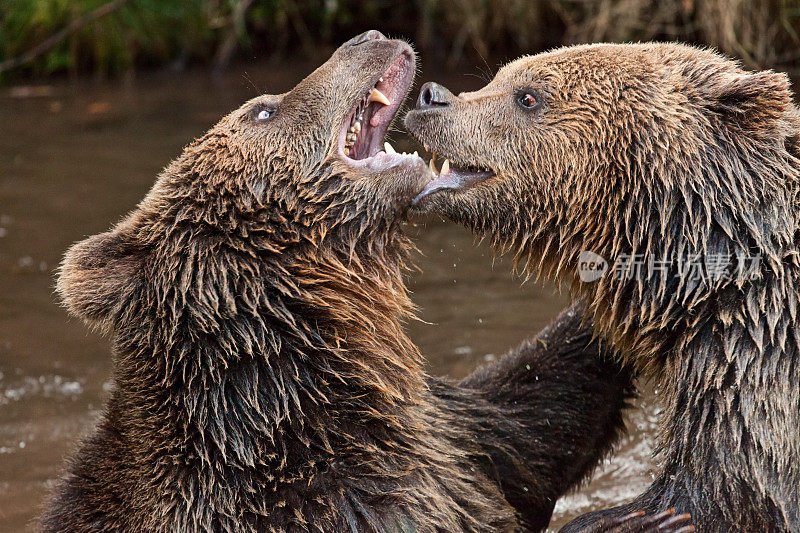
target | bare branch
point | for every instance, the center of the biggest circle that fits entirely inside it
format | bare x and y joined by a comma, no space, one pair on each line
59,36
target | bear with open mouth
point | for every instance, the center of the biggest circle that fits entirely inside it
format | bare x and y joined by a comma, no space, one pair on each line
263,380
675,173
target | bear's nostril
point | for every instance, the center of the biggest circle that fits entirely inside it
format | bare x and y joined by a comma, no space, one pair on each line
371,35
433,95
426,97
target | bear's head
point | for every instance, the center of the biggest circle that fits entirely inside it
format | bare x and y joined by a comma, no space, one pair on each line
282,201
657,150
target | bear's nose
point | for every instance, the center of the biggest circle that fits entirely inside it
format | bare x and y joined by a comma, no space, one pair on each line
371,35
433,95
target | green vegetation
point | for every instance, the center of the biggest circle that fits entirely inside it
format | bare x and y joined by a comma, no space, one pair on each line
134,34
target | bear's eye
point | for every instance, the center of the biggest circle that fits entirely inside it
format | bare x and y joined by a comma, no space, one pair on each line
527,100
264,114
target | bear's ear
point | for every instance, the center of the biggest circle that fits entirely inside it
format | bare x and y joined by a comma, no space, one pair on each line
97,277
753,101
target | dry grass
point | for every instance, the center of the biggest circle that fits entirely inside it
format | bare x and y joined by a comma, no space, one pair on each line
762,33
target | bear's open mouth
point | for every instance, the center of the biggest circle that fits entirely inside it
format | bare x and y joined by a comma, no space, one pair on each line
361,140
452,176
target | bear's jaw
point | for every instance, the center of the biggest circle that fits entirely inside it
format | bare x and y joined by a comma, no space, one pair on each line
452,177
361,137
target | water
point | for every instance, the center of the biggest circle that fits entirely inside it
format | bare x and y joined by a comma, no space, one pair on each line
75,158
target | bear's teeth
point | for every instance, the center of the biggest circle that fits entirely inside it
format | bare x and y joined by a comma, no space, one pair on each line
389,148
445,167
432,167
377,96
357,126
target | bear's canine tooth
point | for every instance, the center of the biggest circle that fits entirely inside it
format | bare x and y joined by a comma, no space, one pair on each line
445,167
376,96
432,167
389,148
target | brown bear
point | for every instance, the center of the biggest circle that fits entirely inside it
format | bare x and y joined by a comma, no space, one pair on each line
263,380
670,174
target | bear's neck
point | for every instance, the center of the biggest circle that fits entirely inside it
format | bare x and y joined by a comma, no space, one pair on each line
675,260
277,368
726,341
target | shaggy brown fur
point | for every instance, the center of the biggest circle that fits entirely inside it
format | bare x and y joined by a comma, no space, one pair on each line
670,152
263,380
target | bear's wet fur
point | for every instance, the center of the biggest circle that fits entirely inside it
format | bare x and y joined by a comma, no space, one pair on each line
667,155
263,380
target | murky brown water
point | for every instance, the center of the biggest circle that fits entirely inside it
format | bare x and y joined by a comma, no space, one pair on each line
75,158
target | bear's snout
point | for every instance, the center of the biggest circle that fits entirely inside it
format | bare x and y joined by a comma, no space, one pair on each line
433,95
